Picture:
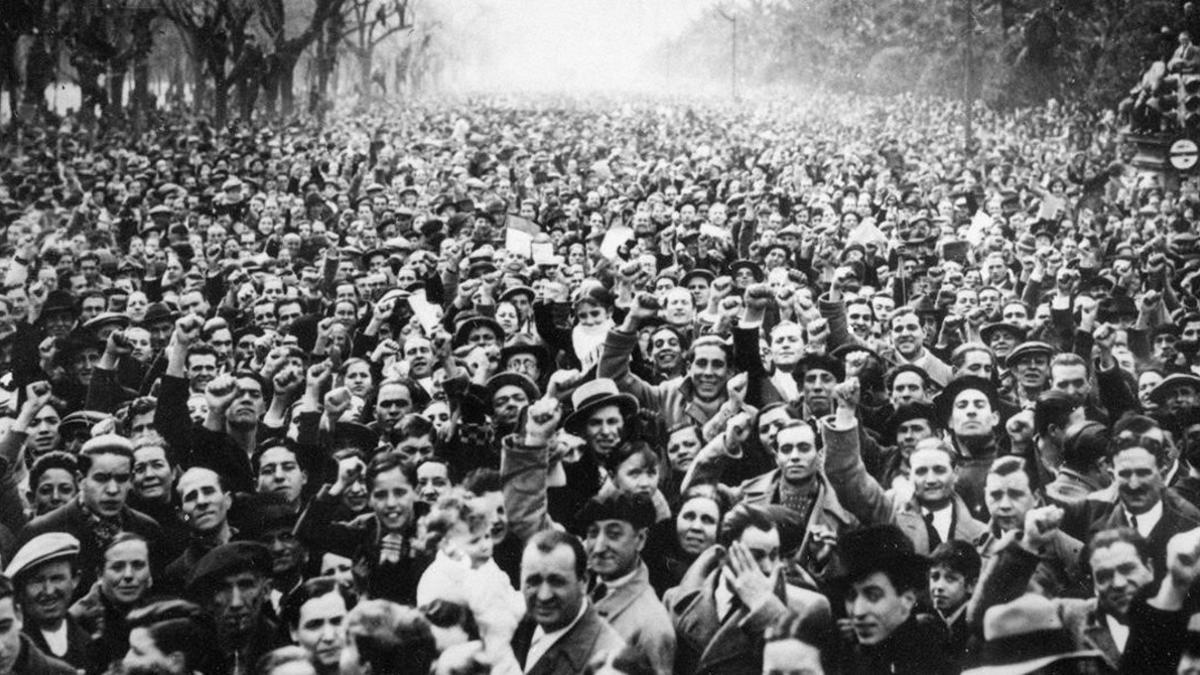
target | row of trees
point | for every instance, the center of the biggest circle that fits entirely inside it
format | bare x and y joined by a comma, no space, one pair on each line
1010,52
218,53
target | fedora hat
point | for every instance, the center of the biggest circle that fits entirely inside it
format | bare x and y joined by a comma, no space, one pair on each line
59,301
594,394
986,333
1173,381
1024,636
463,332
523,343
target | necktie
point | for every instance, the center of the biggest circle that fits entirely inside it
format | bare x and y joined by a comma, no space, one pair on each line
599,592
935,539
1133,522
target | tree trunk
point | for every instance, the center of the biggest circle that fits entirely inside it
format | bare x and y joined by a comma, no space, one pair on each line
116,93
200,84
285,79
364,71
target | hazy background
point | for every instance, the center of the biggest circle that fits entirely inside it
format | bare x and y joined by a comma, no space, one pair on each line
564,45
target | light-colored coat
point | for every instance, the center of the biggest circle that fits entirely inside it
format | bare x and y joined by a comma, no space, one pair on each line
635,612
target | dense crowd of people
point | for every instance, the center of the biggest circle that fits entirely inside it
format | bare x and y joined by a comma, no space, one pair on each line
542,386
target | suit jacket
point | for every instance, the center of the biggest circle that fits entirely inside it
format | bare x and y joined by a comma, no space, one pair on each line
1102,510
77,643
72,519
870,503
33,660
588,639
706,645
827,510
1008,578
635,612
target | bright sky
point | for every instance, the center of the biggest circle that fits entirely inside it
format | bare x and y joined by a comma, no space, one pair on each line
572,44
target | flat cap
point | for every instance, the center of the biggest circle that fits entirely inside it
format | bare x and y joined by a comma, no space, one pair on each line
42,549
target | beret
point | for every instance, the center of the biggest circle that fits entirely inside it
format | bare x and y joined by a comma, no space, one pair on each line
228,559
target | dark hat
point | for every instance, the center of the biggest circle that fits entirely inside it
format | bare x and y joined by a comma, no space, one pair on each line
509,378
881,548
1085,439
1173,381
58,301
986,333
264,514
754,268
634,508
1028,349
824,362
107,319
698,273
355,435
523,343
906,412
944,402
463,331
225,560
1113,307
595,394
159,311
40,550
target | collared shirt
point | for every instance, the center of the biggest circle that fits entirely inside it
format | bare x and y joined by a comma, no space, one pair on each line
622,580
723,596
1119,631
943,520
56,640
1145,522
786,384
543,641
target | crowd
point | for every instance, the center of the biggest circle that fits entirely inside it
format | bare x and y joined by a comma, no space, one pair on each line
638,387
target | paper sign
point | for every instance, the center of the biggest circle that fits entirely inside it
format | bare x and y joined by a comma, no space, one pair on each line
616,235
543,253
518,242
425,311
710,230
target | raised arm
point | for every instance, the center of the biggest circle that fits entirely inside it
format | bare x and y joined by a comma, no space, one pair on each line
523,468
619,346
856,489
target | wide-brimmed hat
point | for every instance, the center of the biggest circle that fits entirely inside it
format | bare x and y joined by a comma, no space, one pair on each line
1171,382
989,330
944,402
511,379
595,394
880,548
1024,636
755,269
523,343
520,289
159,311
463,332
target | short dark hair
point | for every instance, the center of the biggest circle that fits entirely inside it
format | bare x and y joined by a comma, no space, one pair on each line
52,460
415,425
548,540
199,350
87,455
6,589
742,517
628,449
1053,407
1114,535
958,556
180,626
1011,464
317,587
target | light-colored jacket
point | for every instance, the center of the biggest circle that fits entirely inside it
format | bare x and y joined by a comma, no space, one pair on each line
635,612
